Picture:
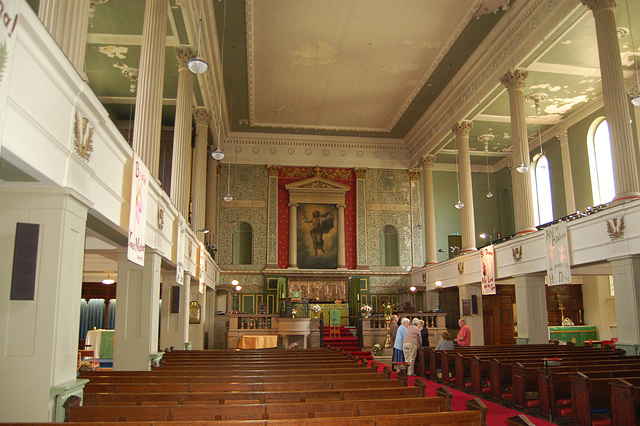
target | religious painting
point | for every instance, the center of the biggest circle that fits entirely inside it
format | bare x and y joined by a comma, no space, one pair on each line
317,236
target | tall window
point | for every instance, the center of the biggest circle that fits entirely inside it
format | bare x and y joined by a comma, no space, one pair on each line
389,246
242,243
541,188
600,162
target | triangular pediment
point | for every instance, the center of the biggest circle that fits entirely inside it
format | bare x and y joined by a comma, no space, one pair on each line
317,182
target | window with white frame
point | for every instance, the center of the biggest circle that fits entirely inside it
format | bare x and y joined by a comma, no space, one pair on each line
600,162
541,189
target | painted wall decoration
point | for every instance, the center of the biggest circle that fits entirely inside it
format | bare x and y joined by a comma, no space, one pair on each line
317,236
558,264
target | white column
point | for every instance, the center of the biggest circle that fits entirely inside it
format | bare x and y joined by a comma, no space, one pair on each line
210,326
616,107
148,114
531,305
626,282
172,330
342,264
185,307
229,300
272,218
361,218
39,337
181,159
431,250
293,235
474,321
569,195
138,296
211,204
461,130
198,175
196,331
67,21
514,80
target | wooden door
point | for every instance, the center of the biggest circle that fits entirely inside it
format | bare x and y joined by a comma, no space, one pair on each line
498,315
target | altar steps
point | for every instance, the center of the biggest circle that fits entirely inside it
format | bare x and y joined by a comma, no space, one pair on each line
346,340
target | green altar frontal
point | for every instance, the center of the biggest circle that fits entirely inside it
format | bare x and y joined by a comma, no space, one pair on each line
577,334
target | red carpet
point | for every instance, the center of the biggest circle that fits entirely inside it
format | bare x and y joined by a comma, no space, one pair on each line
497,414
345,339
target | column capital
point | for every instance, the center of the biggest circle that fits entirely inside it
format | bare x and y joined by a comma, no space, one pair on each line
514,79
361,173
428,160
273,170
341,205
595,5
293,204
563,136
462,128
183,55
202,116
414,174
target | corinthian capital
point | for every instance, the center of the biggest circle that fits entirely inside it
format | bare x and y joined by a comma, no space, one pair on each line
514,79
183,55
201,116
595,5
462,128
428,160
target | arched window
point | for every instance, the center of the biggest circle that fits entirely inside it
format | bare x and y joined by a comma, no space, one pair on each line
541,190
389,246
600,162
242,243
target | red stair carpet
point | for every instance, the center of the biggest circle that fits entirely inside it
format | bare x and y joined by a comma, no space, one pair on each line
346,340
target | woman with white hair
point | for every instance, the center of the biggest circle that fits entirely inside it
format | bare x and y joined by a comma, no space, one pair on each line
398,353
412,341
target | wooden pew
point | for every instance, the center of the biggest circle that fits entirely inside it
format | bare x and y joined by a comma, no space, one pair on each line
625,402
591,395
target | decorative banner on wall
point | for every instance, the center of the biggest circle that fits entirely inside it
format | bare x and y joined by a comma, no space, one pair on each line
488,278
180,250
138,211
557,245
9,17
203,269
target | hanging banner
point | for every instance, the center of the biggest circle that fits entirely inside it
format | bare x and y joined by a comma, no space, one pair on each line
558,264
488,278
9,18
138,211
203,269
180,239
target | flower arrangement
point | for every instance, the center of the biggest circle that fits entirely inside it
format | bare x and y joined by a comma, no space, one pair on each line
316,308
294,312
366,309
377,348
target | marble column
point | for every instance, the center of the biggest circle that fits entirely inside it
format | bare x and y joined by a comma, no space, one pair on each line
531,305
39,331
181,160
616,107
361,218
569,195
626,281
148,111
172,329
198,175
293,232
272,218
229,300
67,21
514,80
461,130
416,220
342,264
137,316
431,250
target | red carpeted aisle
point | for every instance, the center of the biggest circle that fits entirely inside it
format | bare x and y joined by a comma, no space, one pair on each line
497,414
344,338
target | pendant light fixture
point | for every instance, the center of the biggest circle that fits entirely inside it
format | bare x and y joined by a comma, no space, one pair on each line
485,139
197,65
218,154
108,280
636,99
536,98
459,204
228,197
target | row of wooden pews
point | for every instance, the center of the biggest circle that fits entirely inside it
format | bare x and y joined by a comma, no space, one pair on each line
585,385
312,386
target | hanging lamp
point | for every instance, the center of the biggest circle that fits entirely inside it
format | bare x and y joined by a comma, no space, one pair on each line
485,139
636,99
197,65
218,154
459,204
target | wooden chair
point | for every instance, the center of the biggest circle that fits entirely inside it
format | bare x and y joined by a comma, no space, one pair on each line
87,359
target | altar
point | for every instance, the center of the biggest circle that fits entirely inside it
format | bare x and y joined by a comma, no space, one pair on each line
577,334
101,342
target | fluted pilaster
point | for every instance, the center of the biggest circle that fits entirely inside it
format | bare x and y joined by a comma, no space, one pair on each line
431,251
148,115
616,108
569,195
361,218
342,264
272,217
461,130
199,177
514,81
181,160
67,21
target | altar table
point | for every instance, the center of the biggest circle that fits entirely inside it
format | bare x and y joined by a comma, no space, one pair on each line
258,342
101,342
577,334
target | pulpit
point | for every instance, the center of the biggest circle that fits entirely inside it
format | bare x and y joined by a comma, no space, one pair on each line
294,327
